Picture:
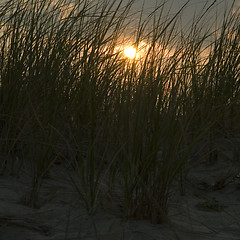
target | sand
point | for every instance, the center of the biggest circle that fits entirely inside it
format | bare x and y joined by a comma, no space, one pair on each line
209,208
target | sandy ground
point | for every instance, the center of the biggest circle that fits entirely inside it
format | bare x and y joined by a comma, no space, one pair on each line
209,209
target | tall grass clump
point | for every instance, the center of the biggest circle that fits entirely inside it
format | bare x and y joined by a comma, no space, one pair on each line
214,83
68,91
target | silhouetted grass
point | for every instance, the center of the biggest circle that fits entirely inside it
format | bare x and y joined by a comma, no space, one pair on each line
67,91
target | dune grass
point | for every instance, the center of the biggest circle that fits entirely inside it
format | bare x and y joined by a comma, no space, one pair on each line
64,79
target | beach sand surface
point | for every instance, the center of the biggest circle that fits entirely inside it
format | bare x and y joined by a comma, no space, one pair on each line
208,209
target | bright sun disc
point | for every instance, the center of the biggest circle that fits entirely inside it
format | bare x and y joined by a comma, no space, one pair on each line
130,52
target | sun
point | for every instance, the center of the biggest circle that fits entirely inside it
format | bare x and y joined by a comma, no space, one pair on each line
130,52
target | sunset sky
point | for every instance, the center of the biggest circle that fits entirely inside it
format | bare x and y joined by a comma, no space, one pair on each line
171,7
193,7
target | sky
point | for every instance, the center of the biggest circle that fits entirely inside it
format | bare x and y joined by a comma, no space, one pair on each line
193,7
171,7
